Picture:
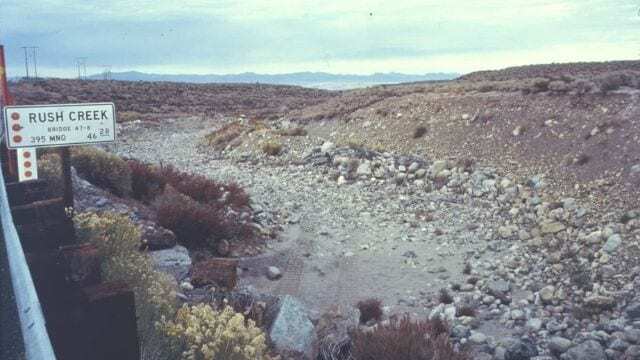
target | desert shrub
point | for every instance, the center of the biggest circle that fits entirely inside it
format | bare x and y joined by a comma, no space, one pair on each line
205,190
127,116
615,80
558,86
355,145
467,269
102,169
272,147
444,297
540,85
296,131
583,86
202,333
419,132
147,181
219,139
50,169
465,310
198,225
403,339
117,240
370,309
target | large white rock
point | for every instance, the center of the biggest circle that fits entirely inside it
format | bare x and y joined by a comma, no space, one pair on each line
292,330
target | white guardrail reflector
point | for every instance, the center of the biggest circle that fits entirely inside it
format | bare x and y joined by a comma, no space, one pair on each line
27,164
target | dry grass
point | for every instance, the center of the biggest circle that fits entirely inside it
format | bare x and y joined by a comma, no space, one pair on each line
223,137
404,339
272,147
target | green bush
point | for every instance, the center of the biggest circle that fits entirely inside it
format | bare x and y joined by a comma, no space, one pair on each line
103,169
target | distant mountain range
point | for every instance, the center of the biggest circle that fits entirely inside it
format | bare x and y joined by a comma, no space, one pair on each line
307,79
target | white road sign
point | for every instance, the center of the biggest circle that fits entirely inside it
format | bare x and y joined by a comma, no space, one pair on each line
59,125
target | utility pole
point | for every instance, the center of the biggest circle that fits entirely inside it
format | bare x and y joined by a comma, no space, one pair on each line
81,65
30,52
34,50
26,61
106,73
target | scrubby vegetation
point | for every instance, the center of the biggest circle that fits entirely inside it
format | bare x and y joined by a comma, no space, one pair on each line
201,332
295,131
117,240
158,100
403,339
200,211
103,169
205,190
147,181
199,225
272,147
223,137
370,309
50,169
419,132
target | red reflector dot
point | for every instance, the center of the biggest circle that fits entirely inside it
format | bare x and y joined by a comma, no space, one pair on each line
15,116
26,154
17,138
28,174
27,164
16,127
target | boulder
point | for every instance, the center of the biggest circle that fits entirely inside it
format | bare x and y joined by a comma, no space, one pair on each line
559,345
175,261
588,350
364,169
613,243
327,147
520,350
499,288
273,273
292,331
552,227
155,237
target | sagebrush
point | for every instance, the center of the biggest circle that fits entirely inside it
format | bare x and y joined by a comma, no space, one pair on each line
117,240
203,333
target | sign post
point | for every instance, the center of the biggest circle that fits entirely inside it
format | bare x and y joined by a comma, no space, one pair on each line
30,127
59,125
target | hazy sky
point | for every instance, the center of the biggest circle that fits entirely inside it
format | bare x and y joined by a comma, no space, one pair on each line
277,36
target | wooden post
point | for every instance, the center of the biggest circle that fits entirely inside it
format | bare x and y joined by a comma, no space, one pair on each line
66,174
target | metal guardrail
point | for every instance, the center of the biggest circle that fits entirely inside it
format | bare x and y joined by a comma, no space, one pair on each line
37,344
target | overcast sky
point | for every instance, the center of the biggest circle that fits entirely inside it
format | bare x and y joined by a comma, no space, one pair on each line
278,36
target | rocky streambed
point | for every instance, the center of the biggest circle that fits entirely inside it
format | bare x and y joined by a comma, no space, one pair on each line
545,278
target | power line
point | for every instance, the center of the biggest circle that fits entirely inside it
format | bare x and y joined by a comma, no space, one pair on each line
30,53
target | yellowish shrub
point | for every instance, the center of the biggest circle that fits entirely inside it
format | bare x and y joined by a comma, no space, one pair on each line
117,240
221,138
207,334
50,169
103,169
272,147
